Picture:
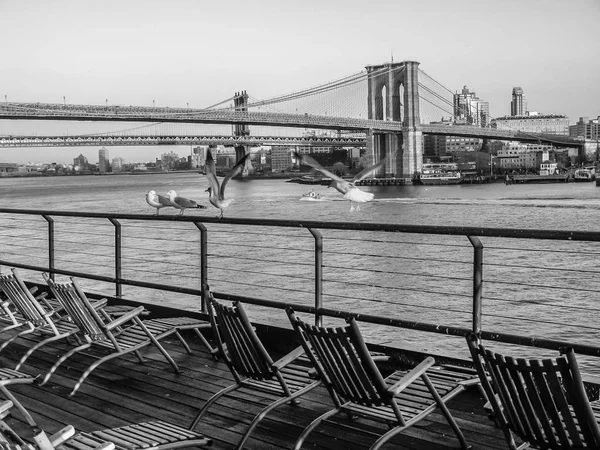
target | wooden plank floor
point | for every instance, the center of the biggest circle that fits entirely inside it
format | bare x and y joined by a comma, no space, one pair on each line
124,391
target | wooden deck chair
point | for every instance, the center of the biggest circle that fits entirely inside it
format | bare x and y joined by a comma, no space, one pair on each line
542,402
173,325
251,365
33,316
114,338
154,435
358,389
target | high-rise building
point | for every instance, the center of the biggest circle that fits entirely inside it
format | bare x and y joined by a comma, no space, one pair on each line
518,104
470,109
103,160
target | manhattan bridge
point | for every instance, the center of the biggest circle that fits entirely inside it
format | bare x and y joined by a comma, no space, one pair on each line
383,108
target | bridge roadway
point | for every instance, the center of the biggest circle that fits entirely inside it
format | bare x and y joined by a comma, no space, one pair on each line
48,111
108,140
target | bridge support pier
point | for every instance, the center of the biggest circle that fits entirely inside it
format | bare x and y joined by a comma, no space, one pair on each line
393,95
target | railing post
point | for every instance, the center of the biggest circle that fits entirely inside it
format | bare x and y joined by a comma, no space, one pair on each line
318,275
50,221
118,257
477,282
203,264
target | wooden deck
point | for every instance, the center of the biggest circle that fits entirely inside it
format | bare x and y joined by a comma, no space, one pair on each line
124,391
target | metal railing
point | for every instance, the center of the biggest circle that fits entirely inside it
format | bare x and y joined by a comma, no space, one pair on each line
536,288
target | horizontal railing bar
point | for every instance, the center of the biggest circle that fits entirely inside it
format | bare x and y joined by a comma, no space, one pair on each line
347,226
418,326
113,280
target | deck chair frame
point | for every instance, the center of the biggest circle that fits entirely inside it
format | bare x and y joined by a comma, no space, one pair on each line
251,364
121,336
33,315
541,401
357,387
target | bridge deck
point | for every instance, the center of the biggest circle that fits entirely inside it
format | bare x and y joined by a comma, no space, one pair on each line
125,391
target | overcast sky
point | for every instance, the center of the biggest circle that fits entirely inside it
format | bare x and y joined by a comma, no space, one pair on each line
196,52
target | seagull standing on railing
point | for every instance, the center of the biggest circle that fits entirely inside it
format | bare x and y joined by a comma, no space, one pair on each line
157,201
345,187
216,192
182,203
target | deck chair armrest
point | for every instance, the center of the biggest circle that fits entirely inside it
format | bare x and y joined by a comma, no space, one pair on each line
106,446
289,358
62,435
100,304
411,376
124,318
5,408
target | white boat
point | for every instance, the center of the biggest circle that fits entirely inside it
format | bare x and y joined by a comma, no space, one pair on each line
312,196
584,175
440,173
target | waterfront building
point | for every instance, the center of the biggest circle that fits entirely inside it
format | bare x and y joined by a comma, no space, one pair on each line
281,158
517,156
6,168
470,109
534,122
518,104
168,161
117,164
198,156
80,163
103,160
586,128
441,148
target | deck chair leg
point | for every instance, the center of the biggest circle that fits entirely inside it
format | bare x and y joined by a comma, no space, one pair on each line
183,342
313,425
265,411
18,405
213,351
444,408
62,359
211,400
40,344
165,354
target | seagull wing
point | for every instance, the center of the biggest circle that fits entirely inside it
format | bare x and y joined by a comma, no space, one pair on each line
163,200
211,173
232,173
369,170
309,161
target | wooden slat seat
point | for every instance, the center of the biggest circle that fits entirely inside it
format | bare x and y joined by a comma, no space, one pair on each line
358,388
152,435
541,401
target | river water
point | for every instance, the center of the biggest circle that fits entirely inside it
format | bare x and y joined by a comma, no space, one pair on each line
558,206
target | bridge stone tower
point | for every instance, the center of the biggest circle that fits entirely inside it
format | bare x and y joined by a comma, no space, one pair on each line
386,83
240,103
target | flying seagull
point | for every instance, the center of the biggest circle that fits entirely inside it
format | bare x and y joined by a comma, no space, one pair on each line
216,192
182,203
347,187
157,201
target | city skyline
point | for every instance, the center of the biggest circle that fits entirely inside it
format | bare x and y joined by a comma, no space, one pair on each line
186,53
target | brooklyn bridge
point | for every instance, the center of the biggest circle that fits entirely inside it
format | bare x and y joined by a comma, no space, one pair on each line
383,108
